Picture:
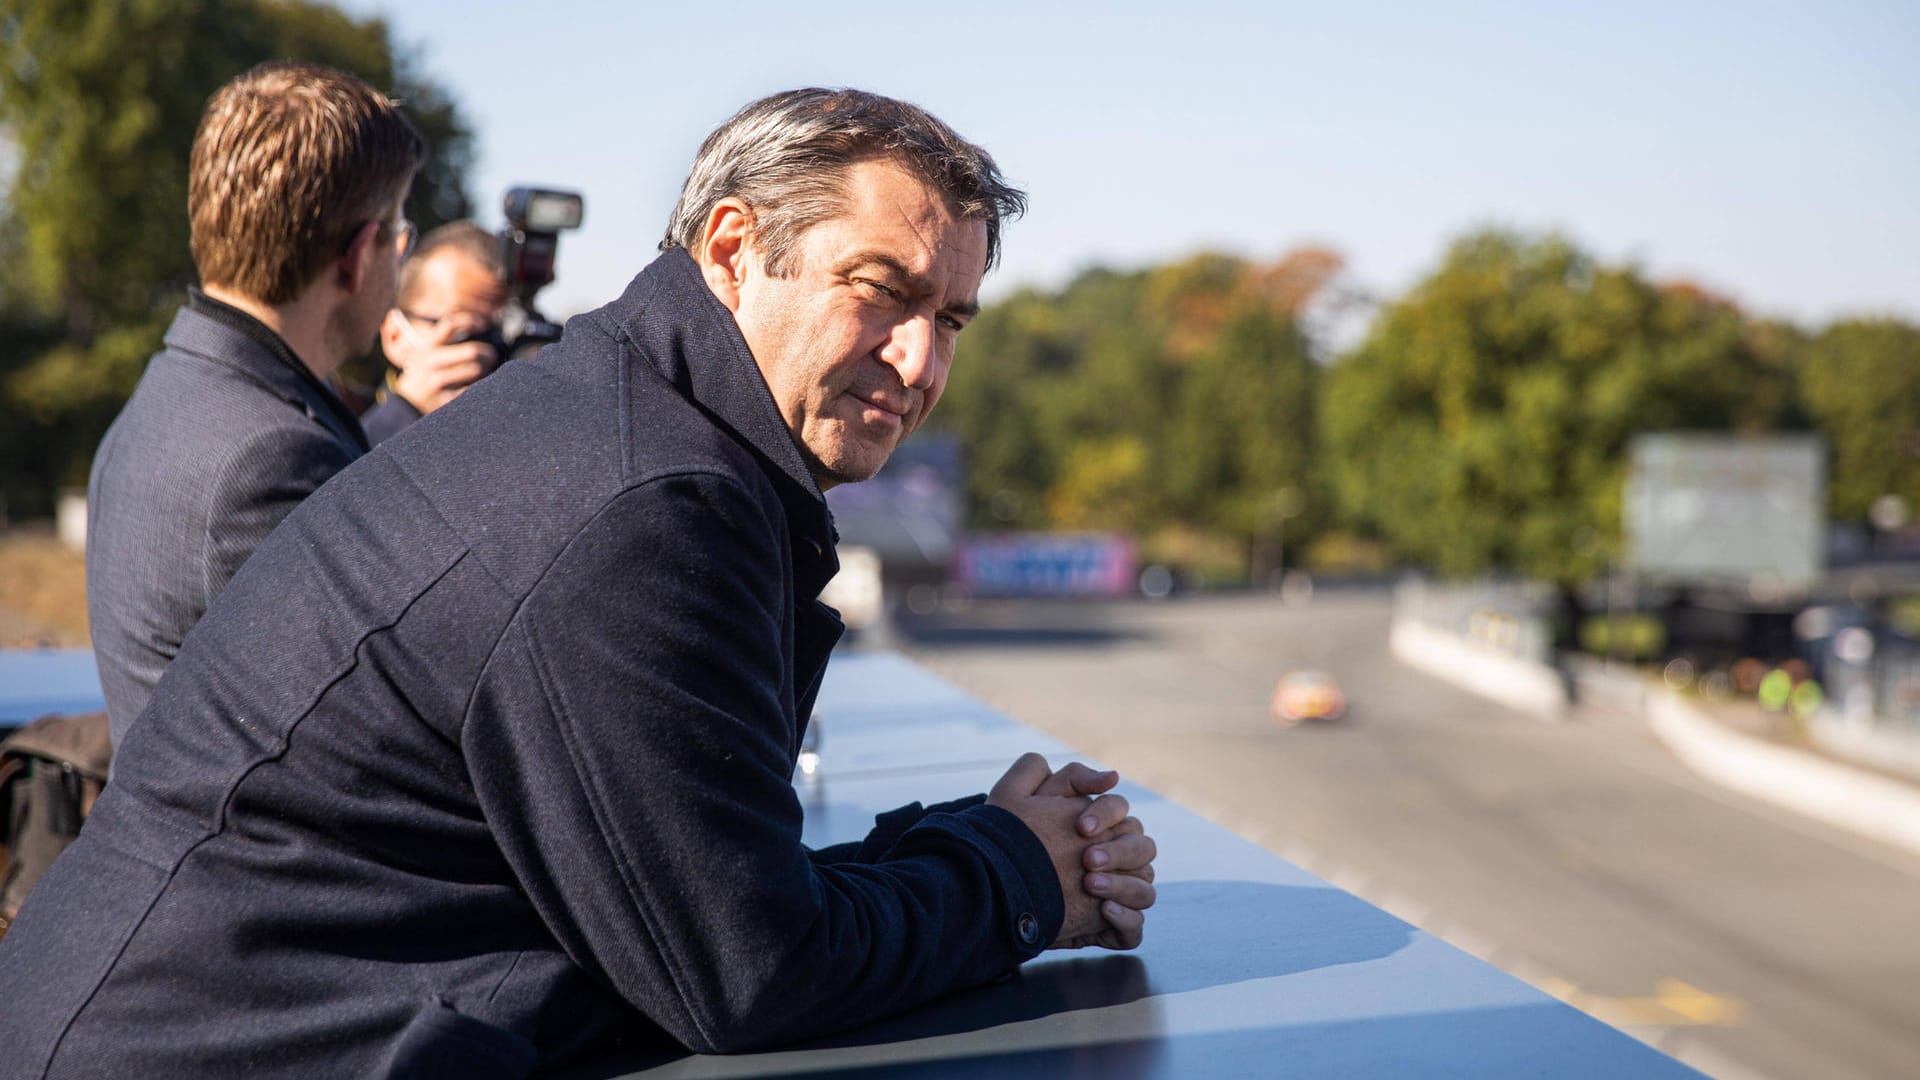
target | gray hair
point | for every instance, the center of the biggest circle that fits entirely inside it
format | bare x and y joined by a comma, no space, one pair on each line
786,156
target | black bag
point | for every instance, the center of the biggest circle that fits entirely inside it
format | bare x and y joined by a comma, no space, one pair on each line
50,773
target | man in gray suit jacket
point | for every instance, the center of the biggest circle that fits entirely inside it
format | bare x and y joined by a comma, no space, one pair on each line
298,178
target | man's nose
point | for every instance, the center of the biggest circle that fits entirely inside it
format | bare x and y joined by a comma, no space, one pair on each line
909,351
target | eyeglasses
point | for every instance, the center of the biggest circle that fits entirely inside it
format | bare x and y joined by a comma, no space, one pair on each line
404,235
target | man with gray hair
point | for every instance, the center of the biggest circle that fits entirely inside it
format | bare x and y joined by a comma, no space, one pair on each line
484,763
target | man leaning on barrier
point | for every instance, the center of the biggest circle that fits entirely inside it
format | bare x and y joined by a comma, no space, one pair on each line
484,763
297,181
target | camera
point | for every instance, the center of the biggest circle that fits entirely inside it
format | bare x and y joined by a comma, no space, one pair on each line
528,243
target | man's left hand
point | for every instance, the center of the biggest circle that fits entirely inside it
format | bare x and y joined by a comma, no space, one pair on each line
1119,864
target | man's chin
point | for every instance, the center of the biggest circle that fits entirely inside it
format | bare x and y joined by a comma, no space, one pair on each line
848,465
830,476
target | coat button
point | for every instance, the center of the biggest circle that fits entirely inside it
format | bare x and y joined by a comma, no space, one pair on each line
1029,929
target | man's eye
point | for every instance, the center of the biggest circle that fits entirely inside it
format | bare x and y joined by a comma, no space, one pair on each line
882,290
952,323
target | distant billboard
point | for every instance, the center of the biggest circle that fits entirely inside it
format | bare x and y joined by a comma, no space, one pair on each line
1047,564
1719,509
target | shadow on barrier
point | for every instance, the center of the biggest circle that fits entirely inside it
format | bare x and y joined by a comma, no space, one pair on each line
1201,934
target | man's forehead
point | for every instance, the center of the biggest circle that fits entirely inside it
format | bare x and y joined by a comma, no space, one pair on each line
951,253
457,265
457,277
883,194
948,259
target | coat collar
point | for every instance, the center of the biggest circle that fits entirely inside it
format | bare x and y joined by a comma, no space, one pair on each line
691,338
230,337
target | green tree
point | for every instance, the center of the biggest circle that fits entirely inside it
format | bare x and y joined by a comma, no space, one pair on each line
1174,398
1860,380
1238,454
1103,484
1004,357
1482,424
100,99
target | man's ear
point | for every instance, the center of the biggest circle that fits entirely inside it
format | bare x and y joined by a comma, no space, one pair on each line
355,264
393,335
724,250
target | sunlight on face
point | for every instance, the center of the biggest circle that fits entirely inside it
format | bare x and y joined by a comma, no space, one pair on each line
856,345
450,283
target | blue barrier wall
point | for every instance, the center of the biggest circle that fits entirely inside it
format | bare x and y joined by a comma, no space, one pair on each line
1251,966
34,682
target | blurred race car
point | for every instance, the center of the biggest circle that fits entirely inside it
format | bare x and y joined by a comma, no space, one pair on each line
1308,695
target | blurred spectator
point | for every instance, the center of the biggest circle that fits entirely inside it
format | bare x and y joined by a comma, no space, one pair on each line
295,193
443,333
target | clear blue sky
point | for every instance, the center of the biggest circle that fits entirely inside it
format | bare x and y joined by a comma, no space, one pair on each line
1770,151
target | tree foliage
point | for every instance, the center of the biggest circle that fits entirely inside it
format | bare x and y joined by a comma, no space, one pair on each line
1483,422
99,100
1176,397
1861,383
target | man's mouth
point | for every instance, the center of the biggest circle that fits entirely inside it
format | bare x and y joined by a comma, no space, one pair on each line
897,407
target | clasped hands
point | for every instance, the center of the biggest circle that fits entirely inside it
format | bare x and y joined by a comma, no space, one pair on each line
1102,855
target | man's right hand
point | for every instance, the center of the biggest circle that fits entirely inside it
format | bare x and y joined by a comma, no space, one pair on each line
434,363
1102,856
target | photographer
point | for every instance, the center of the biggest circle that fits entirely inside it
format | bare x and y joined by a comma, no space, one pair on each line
444,332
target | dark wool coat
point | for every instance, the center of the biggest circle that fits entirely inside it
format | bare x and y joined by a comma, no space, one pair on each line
483,763
390,415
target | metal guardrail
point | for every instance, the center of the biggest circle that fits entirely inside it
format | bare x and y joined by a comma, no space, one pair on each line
1507,616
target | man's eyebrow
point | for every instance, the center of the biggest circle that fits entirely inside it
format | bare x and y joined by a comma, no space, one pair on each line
889,263
964,308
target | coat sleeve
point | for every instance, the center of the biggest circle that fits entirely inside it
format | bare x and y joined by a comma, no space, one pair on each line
631,744
258,485
887,830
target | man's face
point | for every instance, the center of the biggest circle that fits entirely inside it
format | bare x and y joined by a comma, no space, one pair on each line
369,305
450,286
856,344
450,298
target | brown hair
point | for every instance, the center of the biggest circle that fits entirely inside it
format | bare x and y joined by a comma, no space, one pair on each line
462,238
290,160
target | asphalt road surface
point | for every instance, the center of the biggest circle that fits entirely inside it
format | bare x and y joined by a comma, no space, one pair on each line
1578,855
